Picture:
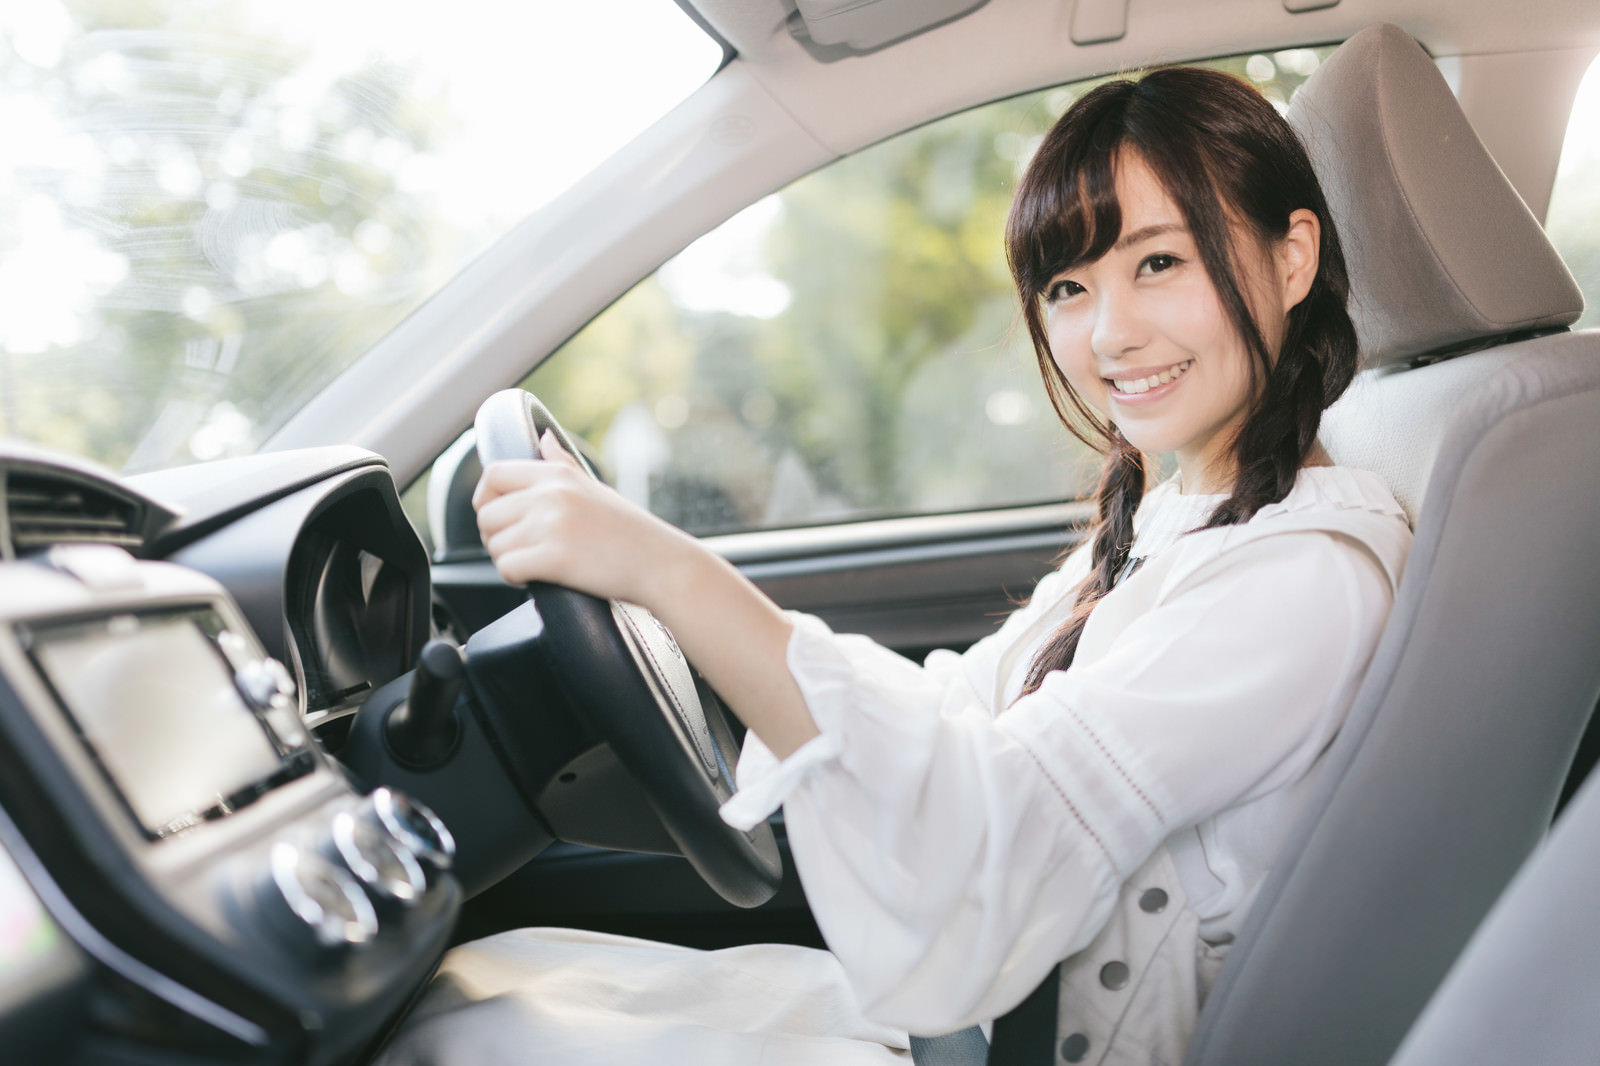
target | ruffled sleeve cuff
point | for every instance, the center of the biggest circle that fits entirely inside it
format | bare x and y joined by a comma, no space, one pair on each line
765,782
830,670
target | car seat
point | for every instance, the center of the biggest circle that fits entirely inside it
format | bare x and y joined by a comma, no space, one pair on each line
1483,413
1523,991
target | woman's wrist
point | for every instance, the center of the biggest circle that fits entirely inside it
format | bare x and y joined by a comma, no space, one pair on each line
735,636
681,564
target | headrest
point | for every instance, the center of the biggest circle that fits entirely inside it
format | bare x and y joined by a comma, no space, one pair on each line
1441,249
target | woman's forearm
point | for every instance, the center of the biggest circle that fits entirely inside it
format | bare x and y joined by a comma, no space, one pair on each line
738,639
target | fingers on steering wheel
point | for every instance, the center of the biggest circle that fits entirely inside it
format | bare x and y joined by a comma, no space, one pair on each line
502,477
550,448
523,564
495,516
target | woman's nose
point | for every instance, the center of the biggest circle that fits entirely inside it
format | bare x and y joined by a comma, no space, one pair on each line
1118,327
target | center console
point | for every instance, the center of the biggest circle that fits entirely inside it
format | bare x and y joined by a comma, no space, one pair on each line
233,896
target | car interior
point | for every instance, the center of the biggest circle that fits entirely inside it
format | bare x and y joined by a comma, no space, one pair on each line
275,735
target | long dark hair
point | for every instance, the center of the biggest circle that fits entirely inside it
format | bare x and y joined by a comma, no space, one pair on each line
1219,149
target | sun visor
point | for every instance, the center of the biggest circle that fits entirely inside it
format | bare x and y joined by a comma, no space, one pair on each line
862,25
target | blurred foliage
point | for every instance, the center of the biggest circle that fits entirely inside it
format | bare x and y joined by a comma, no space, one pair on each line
897,378
250,221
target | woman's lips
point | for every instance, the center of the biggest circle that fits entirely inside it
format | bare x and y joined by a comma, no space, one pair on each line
1146,385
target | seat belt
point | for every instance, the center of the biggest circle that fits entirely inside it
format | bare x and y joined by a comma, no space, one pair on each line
964,1047
1023,1036
1026,1034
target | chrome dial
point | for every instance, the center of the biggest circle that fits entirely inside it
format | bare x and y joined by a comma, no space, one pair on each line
323,897
415,827
385,866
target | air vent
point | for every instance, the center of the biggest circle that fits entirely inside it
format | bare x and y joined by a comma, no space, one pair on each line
47,510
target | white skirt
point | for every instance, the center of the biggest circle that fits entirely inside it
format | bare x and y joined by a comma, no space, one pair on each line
563,996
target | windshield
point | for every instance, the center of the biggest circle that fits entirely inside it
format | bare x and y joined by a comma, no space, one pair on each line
209,208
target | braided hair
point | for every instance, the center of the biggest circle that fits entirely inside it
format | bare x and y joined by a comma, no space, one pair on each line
1221,152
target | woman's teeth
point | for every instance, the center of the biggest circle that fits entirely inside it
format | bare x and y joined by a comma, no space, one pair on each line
1151,382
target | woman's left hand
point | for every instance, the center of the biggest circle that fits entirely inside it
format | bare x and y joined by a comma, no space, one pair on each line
548,520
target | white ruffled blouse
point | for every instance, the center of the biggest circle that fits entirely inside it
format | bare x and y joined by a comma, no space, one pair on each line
953,854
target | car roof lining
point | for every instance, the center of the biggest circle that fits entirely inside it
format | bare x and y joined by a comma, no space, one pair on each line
759,28
932,73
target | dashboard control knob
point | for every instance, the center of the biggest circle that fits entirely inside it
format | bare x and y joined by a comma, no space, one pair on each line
422,732
268,687
322,897
264,682
415,827
385,866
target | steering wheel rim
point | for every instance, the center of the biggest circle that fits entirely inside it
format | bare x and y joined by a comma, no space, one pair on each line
620,668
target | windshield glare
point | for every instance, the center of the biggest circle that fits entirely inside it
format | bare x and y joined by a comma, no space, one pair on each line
209,208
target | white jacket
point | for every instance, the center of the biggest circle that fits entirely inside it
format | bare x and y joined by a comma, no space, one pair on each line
953,854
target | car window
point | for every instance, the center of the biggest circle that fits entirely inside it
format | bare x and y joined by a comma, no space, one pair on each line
846,348
1573,220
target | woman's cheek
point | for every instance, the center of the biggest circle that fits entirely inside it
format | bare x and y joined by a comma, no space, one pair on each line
1075,359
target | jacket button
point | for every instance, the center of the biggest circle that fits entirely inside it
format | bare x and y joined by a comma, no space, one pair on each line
1153,901
1114,975
1075,1047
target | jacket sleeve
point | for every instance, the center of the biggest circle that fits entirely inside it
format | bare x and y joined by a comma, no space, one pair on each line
952,855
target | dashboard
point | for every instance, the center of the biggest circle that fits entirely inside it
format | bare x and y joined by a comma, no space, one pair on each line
185,868
243,786
318,553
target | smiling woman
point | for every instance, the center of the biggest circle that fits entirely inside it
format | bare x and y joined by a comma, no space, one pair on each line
209,208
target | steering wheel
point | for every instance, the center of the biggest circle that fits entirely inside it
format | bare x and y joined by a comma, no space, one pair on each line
620,668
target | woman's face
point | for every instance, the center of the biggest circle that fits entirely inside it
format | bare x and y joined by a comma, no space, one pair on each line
1142,337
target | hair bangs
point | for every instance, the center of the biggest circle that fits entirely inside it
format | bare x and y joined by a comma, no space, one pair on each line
1066,210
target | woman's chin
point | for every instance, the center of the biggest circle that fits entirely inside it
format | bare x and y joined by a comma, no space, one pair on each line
1149,440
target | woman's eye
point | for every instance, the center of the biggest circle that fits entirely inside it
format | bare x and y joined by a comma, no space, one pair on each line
1155,264
1061,290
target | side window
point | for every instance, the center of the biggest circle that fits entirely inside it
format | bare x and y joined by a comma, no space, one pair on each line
846,348
1573,221
841,349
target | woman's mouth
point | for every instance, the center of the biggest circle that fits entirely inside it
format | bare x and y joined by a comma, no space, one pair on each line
1138,388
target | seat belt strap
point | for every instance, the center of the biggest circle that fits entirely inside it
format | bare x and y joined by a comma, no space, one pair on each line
964,1047
1026,1034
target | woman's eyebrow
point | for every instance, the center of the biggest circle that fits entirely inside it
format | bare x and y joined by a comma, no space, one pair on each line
1129,239
1125,241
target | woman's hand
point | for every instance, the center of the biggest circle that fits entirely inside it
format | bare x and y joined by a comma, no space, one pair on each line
548,520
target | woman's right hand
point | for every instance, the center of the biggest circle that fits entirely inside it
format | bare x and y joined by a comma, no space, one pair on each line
547,520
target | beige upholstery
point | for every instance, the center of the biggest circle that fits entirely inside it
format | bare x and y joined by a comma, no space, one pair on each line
1442,250
1539,950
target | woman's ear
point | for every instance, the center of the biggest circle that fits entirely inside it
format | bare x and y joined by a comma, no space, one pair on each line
1298,256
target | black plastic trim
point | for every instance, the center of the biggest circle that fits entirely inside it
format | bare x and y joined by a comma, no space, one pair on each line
219,493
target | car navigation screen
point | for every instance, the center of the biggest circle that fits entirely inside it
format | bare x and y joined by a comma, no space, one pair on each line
156,704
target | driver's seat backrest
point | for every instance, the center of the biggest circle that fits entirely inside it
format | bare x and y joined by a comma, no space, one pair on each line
1536,959
1446,773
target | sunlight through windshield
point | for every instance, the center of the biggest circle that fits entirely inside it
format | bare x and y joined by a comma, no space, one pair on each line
209,208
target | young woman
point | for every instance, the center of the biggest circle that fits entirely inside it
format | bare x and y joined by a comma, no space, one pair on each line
1107,778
